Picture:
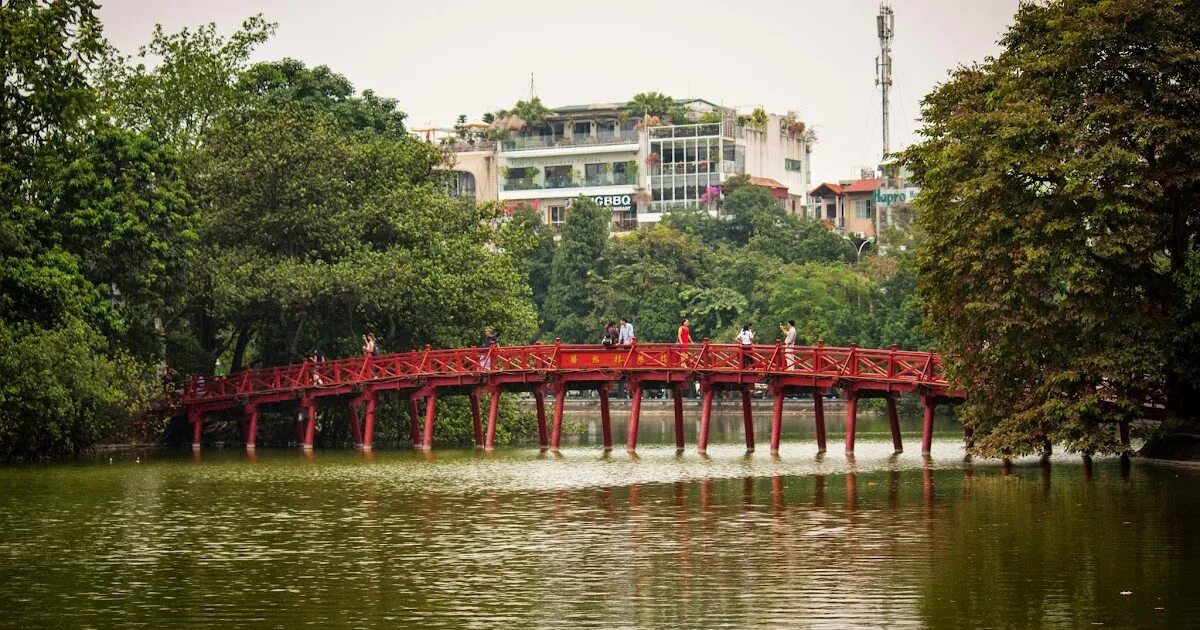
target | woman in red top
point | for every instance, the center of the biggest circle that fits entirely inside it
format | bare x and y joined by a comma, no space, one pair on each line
684,336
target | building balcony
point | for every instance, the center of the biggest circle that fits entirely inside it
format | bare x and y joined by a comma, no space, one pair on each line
702,130
611,179
600,138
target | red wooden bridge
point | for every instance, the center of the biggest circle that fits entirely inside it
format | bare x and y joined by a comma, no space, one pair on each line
425,375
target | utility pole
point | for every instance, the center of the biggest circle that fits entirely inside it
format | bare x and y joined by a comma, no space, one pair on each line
885,23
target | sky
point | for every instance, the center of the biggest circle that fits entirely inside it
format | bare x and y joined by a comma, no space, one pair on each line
443,58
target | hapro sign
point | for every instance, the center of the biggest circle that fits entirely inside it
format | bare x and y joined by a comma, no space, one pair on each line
892,196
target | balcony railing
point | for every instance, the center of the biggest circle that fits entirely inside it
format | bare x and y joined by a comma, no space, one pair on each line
686,131
529,143
611,179
524,183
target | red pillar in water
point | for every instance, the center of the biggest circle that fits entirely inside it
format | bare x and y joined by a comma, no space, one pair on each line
819,412
927,424
560,398
251,425
635,416
777,420
352,416
539,398
197,420
748,419
705,420
678,396
369,423
494,417
605,419
430,413
851,419
894,421
476,423
310,422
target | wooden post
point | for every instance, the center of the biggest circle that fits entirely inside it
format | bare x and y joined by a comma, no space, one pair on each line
197,420
310,426
414,424
430,414
705,420
894,421
930,404
819,412
476,424
539,399
251,426
560,397
776,419
851,419
748,418
494,418
605,418
635,416
369,424
677,394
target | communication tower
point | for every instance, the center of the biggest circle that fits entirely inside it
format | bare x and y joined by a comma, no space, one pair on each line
885,23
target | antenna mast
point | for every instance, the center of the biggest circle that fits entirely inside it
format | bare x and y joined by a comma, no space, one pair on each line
885,23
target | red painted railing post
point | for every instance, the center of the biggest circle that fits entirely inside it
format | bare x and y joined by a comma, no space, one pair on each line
556,362
894,421
818,354
494,416
892,362
677,394
605,418
635,415
819,412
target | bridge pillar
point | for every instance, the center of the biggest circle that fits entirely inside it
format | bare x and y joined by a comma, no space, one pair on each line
635,416
1123,428
430,414
251,412
851,419
819,412
414,422
539,398
776,418
894,423
476,423
494,417
969,436
705,419
605,418
368,437
310,422
196,417
677,394
352,415
748,418
930,403
560,398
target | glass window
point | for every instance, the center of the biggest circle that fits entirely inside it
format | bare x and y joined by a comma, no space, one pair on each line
606,128
793,165
462,185
559,176
863,209
558,215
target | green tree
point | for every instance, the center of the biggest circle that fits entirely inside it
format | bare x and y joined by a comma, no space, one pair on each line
578,261
193,83
1059,205
830,302
650,104
530,245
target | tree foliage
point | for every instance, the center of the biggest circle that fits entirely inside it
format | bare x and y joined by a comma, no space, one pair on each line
1059,205
578,262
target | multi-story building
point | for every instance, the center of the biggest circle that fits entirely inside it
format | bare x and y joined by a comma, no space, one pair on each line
639,167
863,207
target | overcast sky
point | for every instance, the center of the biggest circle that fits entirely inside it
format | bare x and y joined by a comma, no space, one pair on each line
445,57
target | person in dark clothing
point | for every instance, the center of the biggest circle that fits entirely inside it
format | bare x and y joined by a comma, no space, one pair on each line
490,340
611,334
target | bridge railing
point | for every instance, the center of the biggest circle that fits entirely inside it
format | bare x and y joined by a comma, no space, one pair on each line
700,358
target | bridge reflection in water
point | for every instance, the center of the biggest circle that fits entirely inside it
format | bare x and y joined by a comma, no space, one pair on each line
423,376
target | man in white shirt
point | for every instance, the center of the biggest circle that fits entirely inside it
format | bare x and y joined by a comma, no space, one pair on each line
746,337
625,332
789,342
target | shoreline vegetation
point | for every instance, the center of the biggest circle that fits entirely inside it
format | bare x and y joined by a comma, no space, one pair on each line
185,211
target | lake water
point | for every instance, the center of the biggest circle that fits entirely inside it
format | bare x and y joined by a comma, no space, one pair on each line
519,538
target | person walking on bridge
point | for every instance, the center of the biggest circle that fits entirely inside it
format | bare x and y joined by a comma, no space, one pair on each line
788,329
490,340
746,337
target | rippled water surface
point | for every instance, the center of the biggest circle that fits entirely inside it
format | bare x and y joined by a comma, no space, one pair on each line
520,538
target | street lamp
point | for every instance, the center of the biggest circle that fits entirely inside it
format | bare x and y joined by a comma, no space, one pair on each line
858,256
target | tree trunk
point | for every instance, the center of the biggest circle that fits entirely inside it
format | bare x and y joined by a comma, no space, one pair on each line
239,349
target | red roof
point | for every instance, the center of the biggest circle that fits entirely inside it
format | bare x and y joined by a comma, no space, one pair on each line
766,182
833,188
864,185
